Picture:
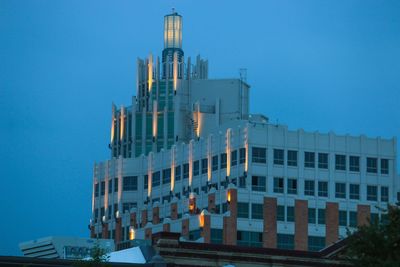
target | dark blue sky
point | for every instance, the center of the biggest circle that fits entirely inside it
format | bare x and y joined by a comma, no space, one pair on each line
316,65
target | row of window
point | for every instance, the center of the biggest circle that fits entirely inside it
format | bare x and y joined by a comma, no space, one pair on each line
342,162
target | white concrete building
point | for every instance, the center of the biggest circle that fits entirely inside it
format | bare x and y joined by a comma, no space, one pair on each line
188,157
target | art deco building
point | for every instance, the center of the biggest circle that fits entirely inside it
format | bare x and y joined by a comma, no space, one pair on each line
188,157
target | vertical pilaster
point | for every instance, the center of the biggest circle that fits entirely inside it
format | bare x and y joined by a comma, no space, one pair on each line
118,230
104,233
133,220
185,227
156,215
206,231
230,222
144,217
363,214
174,210
301,225
270,228
211,203
332,223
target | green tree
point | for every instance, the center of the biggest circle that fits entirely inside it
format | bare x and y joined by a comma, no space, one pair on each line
98,257
377,244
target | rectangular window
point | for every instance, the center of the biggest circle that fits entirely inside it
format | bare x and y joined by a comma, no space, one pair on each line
292,186
353,219
96,189
323,160
204,166
321,216
109,212
234,158
279,185
384,166
215,163
340,190
372,165
258,183
278,156
250,239
177,173
309,188
194,234
127,206
285,241
166,179
290,214
316,243
322,189
223,161
372,193
129,183
155,179
259,155
116,184
102,188
384,194
354,191
242,155
280,213
146,181
185,170
342,217
312,215
309,159
354,163
340,162
110,186
196,168
257,211
292,158
216,236
242,181
243,210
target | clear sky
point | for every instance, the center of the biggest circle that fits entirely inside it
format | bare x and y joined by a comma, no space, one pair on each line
317,65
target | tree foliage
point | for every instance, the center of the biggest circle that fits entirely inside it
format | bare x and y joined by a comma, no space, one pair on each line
377,244
98,257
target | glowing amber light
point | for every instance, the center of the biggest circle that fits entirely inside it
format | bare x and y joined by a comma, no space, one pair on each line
155,118
150,72
175,71
131,233
228,197
246,164
172,168
112,130
228,152
201,220
122,121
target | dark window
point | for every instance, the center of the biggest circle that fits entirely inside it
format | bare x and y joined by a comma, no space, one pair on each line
185,170
129,183
340,190
258,183
372,165
384,166
384,194
194,234
340,162
285,241
353,219
204,166
146,181
127,206
309,159
166,176
342,217
257,211
259,155
354,191
279,185
96,189
312,215
280,213
354,163
155,179
109,212
322,189
242,155
250,239
223,160
323,160
321,216
316,243
102,188
177,173
215,163
234,158
243,210
216,236
290,214
309,188
116,184
292,158
292,186
279,156
196,168
372,193
110,182
242,181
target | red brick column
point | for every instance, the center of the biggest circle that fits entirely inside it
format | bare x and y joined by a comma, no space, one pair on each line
118,230
185,227
270,228
230,223
92,232
104,233
363,214
206,231
166,227
211,203
144,218
147,233
174,211
301,224
332,223
133,220
156,215
192,204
